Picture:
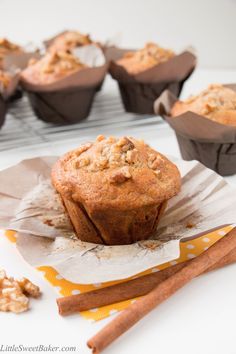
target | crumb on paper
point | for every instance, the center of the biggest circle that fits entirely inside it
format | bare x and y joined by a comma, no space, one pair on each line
14,294
190,225
48,222
150,245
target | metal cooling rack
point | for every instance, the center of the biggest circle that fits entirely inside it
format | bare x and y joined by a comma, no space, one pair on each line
22,128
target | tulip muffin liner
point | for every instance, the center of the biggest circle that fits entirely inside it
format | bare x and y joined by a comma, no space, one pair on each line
138,92
200,138
68,100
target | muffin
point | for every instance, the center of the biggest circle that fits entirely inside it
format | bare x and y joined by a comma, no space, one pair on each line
217,103
205,126
137,61
115,190
142,75
6,48
69,40
60,87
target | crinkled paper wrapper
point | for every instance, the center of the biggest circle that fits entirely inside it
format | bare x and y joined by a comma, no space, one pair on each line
29,205
138,92
69,99
200,138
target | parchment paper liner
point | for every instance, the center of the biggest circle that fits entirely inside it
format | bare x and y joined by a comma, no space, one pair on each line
200,138
68,100
138,92
31,206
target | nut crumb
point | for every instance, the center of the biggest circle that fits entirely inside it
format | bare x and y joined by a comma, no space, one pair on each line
190,225
28,288
120,176
100,138
48,222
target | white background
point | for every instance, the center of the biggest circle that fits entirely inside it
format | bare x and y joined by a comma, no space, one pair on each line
201,317
208,25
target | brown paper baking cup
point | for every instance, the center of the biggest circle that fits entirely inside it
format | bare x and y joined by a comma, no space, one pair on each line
138,92
68,100
200,138
62,107
3,110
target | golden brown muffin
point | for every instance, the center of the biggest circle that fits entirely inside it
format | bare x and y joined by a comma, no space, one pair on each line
69,40
146,58
115,190
6,48
217,103
52,67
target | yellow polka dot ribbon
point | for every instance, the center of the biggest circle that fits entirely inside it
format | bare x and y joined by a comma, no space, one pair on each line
188,250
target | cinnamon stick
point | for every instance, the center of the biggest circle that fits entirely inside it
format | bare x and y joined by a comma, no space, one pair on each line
126,290
135,312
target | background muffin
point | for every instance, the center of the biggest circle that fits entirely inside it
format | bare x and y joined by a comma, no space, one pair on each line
217,103
61,87
115,190
142,75
205,126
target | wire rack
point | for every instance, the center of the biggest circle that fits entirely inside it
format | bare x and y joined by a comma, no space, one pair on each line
22,128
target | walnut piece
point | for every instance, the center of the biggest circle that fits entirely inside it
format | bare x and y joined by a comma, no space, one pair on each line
13,293
154,161
83,148
121,175
29,288
60,62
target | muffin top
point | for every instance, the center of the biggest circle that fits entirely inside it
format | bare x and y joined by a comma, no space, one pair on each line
70,40
122,173
52,67
143,59
7,47
217,103
4,79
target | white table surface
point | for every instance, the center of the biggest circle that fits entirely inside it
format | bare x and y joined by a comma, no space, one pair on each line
200,318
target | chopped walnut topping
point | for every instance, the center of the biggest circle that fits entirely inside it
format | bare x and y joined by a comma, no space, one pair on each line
131,156
60,62
101,163
83,148
125,144
13,293
158,173
82,162
154,161
100,138
111,153
111,140
120,176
